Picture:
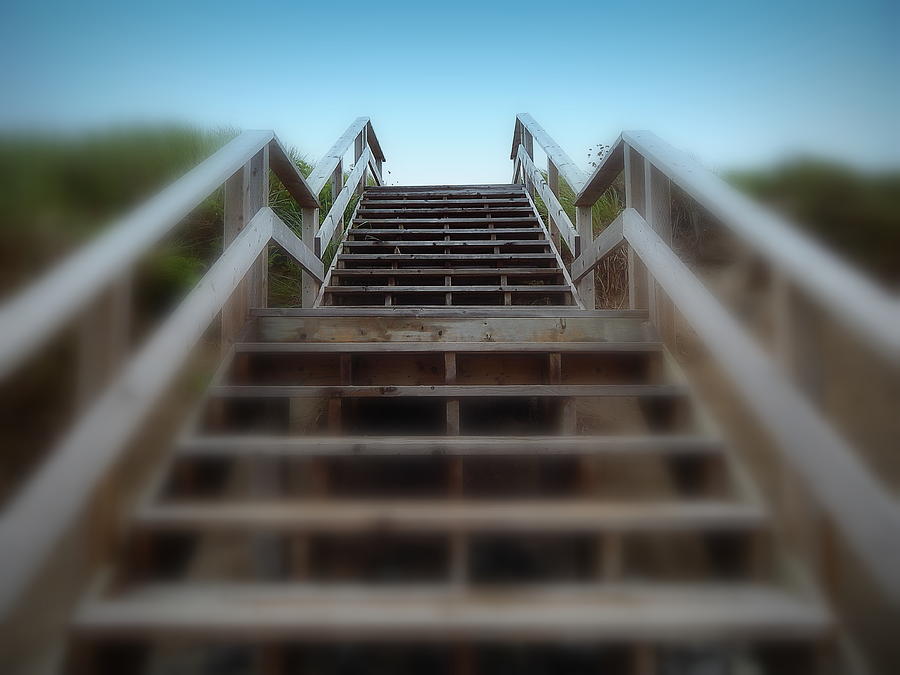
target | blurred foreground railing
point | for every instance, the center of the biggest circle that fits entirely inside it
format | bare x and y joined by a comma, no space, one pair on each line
65,484
857,501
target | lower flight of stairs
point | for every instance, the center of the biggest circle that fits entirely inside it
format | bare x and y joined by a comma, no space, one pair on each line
447,246
450,491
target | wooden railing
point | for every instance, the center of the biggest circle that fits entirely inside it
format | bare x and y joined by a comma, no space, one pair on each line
64,485
858,503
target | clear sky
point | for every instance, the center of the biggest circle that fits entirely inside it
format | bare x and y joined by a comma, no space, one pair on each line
735,83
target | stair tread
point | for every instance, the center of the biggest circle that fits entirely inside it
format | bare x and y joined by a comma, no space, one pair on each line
449,391
449,221
453,242
478,347
666,612
438,231
446,271
530,288
220,445
426,515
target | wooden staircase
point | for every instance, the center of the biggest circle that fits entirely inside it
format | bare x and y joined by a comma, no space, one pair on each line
447,245
446,461
462,487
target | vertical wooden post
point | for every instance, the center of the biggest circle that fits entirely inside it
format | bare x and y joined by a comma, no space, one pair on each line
103,339
257,197
798,349
585,226
553,182
658,210
528,142
337,183
634,199
359,145
309,285
246,191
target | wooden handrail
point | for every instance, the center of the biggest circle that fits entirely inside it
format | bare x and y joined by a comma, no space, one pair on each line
601,247
555,209
866,513
326,231
849,296
567,168
62,488
48,504
30,319
325,167
609,168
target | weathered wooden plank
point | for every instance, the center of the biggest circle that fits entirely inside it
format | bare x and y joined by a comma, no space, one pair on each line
299,251
46,507
604,175
483,313
323,170
861,507
670,613
375,213
536,272
289,174
853,299
440,231
372,142
600,247
570,171
382,222
478,446
448,256
566,228
449,391
440,243
33,316
438,347
349,290
428,515
333,219
486,202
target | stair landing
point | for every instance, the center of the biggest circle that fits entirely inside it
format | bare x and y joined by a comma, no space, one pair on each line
438,246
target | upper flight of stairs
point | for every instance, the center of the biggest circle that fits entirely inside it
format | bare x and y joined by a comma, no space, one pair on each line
447,245
501,486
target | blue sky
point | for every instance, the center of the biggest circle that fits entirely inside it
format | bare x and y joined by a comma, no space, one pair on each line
734,83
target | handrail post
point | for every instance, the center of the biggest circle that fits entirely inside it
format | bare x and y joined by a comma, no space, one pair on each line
635,199
528,142
309,285
658,207
359,144
103,335
337,183
553,182
585,226
246,192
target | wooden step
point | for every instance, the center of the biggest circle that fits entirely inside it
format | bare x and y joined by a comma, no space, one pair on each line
441,202
450,222
612,613
530,272
437,212
682,445
480,188
597,318
433,515
538,288
440,243
434,231
451,391
450,257
443,347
